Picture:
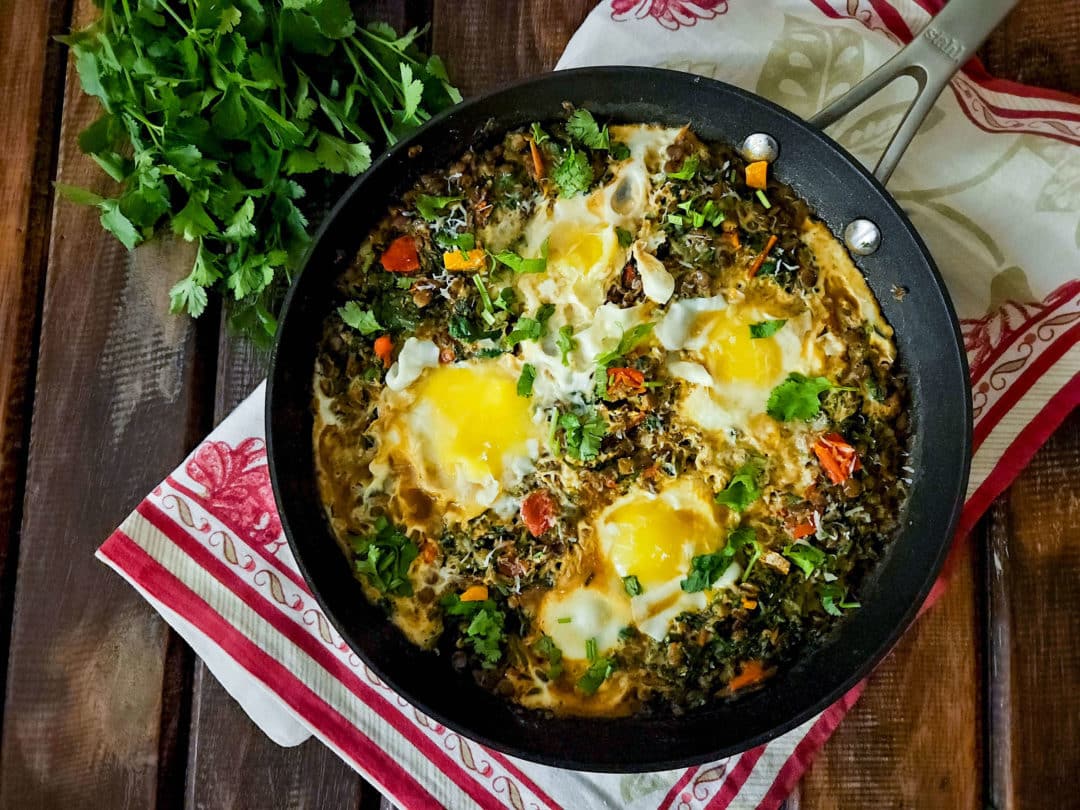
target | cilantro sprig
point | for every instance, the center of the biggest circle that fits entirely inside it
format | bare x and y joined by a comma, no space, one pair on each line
742,490
799,397
583,434
706,569
482,624
600,669
218,119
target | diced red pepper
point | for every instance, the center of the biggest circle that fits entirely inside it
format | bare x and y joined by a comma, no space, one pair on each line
538,511
837,457
401,256
626,380
803,530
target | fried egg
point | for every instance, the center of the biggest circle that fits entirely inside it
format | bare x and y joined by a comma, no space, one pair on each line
729,374
461,431
652,537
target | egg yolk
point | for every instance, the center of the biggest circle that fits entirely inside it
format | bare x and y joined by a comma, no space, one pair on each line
576,248
732,355
650,540
476,419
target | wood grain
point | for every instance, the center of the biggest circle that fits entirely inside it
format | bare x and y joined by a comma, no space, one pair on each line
31,84
488,43
1034,585
116,404
914,738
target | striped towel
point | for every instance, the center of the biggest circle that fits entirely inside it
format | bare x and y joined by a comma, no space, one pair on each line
206,549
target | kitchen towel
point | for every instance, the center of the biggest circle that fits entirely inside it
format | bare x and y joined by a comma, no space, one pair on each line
993,184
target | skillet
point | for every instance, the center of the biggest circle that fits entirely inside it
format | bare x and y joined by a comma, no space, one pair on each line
888,251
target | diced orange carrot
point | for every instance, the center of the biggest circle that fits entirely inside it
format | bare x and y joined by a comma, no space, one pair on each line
475,593
757,174
760,260
473,260
803,530
384,349
749,604
400,256
537,159
752,672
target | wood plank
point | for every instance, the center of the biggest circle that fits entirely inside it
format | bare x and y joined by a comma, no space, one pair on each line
914,739
31,84
1034,597
222,736
92,668
488,43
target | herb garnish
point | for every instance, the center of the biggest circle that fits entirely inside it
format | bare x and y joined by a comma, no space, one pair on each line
706,569
521,265
600,669
632,585
805,556
624,236
545,647
687,170
765,329
384,557
573,173
798,397
526,380
362,320
583,435
484,632
742,490
428,206
566,343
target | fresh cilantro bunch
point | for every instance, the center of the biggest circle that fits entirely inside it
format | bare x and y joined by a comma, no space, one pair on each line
220,116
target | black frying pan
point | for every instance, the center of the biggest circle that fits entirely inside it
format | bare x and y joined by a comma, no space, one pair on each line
930,351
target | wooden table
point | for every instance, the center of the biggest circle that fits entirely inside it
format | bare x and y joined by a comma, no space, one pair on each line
102,392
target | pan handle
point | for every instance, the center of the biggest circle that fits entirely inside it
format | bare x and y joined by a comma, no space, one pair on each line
931,58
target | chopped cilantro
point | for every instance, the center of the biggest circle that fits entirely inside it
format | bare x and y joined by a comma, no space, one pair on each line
521,265
834,597
625,237
805,556
763,199
632,585
362,320
463,242
505,299
544,312
526,380
384,557
687,170
484,632
629,341
798,397
546,648
582,127
428,206
583,436
706,569
573,173
564,619
600,669
539,136
742,490
619,150
765,329
566,343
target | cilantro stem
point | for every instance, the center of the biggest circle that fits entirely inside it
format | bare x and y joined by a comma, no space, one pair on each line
390,44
